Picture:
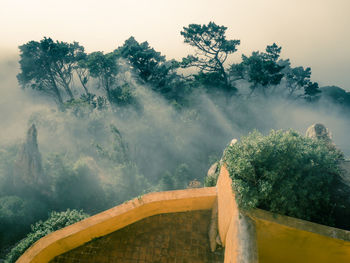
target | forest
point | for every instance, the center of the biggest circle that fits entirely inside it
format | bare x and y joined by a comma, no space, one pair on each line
101,128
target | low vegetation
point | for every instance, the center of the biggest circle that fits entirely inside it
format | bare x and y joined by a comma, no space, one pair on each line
56,221
286,173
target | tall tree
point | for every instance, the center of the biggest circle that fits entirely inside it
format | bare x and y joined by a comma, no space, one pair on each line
261,68
311,91
150,65
212,48
82,70
144,59
104,67
37,71
48,66
297,78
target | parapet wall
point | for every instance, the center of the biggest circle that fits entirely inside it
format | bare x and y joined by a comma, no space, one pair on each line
260,236
236,229
116,218
248,237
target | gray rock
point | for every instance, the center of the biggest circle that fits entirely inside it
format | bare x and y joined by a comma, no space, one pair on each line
319,131
28,170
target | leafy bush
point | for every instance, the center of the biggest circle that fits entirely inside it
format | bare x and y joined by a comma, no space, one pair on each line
56,221
16,215
123,95
285,173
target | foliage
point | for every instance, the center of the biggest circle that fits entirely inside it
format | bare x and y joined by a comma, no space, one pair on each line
150,65
56,221
261,68
212,48
297,78
82,70
167,182
336,95
103,67
285,173
123,95
85,105
96,146
211,181
311,91
48,66
16,215
7,156
145,60
178,180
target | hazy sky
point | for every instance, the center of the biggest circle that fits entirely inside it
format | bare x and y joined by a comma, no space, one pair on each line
313,33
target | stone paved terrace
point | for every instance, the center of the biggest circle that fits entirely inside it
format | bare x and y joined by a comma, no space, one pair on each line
172,237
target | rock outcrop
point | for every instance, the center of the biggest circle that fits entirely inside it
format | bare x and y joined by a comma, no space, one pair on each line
28,170
320,132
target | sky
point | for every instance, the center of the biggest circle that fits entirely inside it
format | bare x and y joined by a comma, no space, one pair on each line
313,33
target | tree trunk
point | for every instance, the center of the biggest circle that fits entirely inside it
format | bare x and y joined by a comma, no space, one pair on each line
64,82
67,88
222,71
57,93
108,90
83,84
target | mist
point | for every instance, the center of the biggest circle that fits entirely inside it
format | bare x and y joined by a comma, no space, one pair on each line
158,137
96,159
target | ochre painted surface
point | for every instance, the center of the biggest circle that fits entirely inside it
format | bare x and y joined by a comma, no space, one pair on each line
237,231
278,238
116,218
289,240
227,207
173,237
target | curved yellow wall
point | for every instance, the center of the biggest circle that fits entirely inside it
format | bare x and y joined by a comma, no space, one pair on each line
116,218
257,236
289,240
277,238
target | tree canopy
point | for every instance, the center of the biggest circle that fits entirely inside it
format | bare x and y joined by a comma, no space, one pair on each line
103,67
51,67
48,66
261,68
212,48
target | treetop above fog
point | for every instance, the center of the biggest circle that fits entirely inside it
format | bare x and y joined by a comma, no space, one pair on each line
50,67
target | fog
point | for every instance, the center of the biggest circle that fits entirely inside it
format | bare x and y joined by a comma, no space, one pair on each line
96,159
158,136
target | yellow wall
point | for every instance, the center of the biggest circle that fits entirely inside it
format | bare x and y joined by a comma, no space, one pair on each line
237,230
116,218
289,240
278,238
227,207
254,236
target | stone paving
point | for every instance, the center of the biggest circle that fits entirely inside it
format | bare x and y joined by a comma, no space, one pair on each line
167,238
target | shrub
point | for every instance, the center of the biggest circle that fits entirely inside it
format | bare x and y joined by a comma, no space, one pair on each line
16,215
56,221
285,173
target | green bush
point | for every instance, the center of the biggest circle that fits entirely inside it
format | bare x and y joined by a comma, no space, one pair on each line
16,215
56,221
285,173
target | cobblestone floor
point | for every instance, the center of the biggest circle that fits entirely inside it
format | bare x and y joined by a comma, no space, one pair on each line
175,237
